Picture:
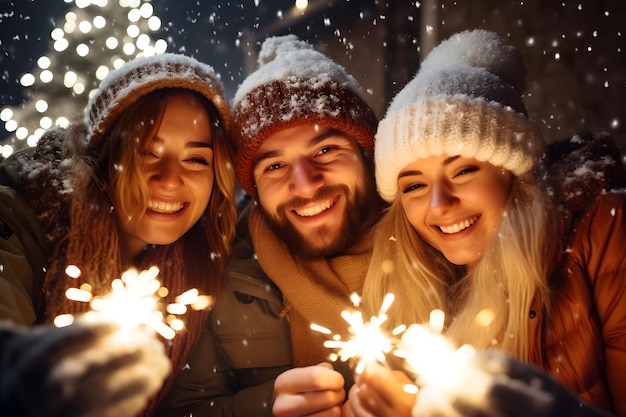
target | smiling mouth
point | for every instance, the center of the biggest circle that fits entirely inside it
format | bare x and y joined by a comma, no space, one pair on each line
456,228
167,208
315,210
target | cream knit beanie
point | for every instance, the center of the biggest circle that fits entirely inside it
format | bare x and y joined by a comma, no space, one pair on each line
145,74
296,85
465,100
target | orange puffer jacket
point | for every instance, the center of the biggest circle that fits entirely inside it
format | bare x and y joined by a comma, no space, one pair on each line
582,342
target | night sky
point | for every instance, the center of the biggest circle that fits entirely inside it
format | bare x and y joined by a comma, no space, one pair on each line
207,30
211,31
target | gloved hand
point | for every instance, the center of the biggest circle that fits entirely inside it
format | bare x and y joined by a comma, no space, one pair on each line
496,385
84,369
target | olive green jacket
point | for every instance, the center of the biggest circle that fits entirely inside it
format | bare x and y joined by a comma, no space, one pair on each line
24,252
245,344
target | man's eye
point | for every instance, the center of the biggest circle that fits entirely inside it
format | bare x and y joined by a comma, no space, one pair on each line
273,167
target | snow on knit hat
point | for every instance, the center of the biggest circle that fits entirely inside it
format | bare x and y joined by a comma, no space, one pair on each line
296,85
136,78
465,100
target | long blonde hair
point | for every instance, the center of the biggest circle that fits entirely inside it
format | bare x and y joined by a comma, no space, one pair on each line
511,273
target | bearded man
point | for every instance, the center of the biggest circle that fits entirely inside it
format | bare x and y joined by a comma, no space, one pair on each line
305,139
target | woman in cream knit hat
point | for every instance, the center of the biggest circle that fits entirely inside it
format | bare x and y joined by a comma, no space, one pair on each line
475,230
146,180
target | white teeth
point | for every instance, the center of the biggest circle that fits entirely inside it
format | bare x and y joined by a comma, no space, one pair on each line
455,228
162,207
312,211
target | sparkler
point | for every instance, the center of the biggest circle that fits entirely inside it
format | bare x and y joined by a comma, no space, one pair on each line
437,365
369,342
429,354
135,301
443,373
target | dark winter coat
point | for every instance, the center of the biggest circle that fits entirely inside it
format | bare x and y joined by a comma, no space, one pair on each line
24,252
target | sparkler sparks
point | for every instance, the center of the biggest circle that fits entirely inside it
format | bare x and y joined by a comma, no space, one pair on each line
369,342
430,355
435,362
444,375
441,373
135,301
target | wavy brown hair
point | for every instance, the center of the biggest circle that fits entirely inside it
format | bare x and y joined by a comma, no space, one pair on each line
107,176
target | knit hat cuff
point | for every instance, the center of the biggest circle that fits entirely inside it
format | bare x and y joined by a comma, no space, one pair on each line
454,125
287,103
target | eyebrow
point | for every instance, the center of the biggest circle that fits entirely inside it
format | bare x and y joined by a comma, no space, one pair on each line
193,144
310,143
445,162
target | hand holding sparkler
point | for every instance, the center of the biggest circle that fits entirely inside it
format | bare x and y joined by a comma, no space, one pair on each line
309,390
380,392
79,370
368,344
510,388
107,362
465,383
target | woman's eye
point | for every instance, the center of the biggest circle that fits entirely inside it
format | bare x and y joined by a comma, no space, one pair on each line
466,170
412,187
201,158
198,160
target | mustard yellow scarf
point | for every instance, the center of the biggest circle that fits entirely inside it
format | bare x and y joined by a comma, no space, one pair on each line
314,290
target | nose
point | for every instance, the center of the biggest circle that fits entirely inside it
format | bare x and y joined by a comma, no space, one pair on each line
442,198
167,174
306,178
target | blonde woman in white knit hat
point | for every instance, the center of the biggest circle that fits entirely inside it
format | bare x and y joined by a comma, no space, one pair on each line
146,180
475,230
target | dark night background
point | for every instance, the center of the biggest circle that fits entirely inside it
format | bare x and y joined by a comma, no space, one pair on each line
573,49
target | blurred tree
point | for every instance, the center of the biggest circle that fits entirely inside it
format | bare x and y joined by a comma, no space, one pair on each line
91,39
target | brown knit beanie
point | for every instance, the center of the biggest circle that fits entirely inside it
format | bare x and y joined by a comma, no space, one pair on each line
296,85
142,75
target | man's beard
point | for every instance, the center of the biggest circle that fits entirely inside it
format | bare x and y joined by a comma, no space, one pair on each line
360,209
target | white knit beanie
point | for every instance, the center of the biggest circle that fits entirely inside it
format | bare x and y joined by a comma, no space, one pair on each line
465,100
145,74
